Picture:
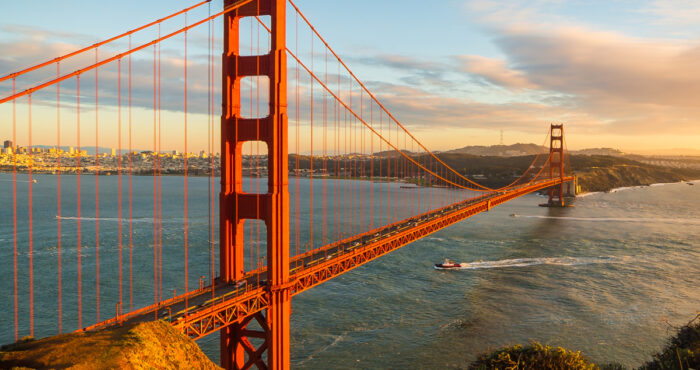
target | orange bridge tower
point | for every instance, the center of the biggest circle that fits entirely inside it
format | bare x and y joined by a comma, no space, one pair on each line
272,207
556,164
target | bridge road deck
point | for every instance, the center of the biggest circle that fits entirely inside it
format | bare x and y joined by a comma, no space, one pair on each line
207,309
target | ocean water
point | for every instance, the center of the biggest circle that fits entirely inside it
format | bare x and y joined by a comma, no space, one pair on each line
602,277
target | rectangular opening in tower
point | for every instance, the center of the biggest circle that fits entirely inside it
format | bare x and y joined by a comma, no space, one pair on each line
255,97
253,37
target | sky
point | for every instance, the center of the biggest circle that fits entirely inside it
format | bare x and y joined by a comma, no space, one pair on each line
618,73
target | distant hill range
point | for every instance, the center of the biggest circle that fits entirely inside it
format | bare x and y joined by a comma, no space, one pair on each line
519,149
598,151
514,150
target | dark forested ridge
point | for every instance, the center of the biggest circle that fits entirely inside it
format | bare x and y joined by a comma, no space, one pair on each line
596,172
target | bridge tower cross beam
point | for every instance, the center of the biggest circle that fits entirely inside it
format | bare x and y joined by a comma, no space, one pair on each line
236,205
556,164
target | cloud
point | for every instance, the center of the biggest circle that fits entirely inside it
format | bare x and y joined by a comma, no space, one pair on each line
421,110
495,71
23,49
634,85
675,12
414,71
617,77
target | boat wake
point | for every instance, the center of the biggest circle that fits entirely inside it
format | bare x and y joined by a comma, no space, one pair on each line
524,262
690,221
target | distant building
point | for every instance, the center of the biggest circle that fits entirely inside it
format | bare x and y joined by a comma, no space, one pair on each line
114,152
8,144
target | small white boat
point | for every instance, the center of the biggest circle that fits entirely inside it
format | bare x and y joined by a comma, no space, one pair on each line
513,215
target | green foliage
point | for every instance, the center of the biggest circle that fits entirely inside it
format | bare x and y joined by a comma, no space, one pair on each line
682,350
681,353
534,356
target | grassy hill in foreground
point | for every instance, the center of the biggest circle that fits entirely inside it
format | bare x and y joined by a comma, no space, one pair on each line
151,345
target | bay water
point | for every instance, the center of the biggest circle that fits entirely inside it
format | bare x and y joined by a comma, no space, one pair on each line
605,277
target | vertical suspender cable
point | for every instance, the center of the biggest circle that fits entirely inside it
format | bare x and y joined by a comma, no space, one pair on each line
325,170
185,200
155,182
58,198
14,202
311,156
78,211
297,189
97,195
257,135
160,179
131,214
210,231
31,226
119,175
371,166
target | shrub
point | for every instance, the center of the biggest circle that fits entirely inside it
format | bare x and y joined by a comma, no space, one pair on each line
534,356
682,351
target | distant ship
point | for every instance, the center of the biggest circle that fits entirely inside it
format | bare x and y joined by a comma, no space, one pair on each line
448,264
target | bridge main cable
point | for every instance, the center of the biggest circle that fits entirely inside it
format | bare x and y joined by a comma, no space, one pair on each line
94,46
364,122
485,188
126,53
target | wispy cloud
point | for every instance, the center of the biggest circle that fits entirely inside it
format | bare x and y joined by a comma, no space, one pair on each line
495,71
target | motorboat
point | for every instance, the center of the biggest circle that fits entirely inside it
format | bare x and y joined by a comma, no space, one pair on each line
513,215
448,264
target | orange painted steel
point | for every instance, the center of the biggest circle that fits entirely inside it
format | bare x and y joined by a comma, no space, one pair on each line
374,98
233,308
556,163
223,312
228,9
236,206
96,45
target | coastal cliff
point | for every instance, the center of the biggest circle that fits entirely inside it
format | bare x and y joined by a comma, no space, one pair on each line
603,173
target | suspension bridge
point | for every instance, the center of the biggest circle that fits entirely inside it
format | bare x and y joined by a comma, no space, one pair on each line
317,177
